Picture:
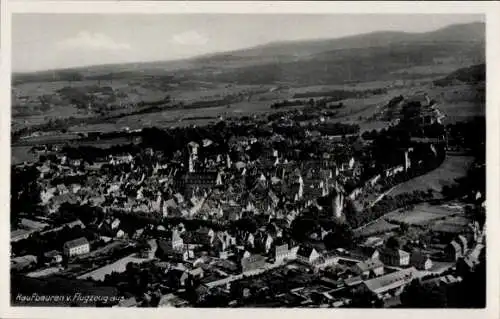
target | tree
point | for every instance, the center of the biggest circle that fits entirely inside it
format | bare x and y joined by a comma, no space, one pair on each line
404,227
302,227
418,295
471,292
25,192
393,243
340,236
364,299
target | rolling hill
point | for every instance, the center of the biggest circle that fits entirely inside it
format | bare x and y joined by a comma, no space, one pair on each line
469,75
324,61
461,33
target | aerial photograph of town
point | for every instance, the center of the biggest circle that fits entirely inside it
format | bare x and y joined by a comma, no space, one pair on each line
248,161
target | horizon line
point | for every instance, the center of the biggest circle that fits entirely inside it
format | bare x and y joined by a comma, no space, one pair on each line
208,54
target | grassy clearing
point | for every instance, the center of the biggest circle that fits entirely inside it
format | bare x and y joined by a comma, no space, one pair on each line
20,154
452,168
423,214
378,227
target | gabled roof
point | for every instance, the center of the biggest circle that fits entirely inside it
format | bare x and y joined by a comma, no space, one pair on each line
395,252
305,251
281,247
353,281
455,246
176,236
196,272
418,258
462,240
76,242
390,281
369,264
51,254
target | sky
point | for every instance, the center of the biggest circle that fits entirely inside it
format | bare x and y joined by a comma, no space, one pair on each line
53,41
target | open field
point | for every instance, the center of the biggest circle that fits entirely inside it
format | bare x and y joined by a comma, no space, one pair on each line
452,168
257,98
423,214
21,154
435,216
455,222
377,227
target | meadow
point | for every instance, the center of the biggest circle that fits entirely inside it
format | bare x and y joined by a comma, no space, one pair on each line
423,214
420,215
452,168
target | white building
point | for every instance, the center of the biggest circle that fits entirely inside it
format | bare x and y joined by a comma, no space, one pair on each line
76,247
307,254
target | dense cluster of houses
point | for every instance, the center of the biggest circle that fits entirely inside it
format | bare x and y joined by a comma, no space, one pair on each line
251,179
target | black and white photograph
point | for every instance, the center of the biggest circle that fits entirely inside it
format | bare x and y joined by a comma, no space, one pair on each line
230,160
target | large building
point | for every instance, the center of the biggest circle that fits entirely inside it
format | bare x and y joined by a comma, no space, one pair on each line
390,285
202,181
395,257
76,247
420,260
282,253
369,268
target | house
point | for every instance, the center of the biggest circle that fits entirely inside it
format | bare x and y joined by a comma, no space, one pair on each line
374,180
281,253
198,180
76,247
251,239
202,236
371,246
115,223
53,256
252,262
468,263
268,243
307,254
105,239
453,251
120,233
463,243
176,240
149,251
353,281
442,280
394,170
390,285
292,254
169,206
420,261
166,251
32,224
196,273
395,257
177,277
138,233
223,255
355,193
20,234
369,268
